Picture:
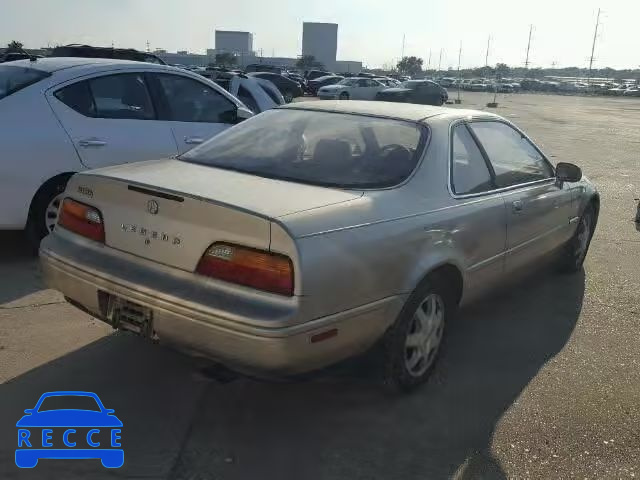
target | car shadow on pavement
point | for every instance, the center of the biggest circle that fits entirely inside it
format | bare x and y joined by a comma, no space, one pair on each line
341,424
19,270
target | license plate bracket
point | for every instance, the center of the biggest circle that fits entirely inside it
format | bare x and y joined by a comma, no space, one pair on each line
126,315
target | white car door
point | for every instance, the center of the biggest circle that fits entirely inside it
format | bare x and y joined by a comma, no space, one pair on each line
111,119
373,88
195,110
360,89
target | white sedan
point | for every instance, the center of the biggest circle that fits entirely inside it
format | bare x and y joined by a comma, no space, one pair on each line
63,115
354,88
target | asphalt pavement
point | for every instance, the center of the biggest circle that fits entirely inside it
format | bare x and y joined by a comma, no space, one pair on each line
541,380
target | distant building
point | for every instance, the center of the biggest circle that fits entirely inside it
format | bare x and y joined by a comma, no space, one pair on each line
239,43
321,41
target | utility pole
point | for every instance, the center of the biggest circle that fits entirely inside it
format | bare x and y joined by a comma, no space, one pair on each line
402,56
429,67
148,48
439,61
459,79
593,46
486,58
526,62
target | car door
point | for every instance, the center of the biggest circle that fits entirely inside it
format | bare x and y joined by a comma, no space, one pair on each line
482,215
359,89
373,87
111,119
194,110
539,208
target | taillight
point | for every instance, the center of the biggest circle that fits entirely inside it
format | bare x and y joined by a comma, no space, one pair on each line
81,219
262,270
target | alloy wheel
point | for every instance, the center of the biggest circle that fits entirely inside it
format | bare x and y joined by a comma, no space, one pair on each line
424,335
51,213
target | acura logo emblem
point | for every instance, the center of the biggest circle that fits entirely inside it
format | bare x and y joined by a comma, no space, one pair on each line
152,207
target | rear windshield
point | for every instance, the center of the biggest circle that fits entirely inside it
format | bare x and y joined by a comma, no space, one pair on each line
317,148
14,78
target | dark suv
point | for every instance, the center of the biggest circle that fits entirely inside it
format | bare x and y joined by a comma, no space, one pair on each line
88,51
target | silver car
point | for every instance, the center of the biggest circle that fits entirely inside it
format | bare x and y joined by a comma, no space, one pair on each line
309,233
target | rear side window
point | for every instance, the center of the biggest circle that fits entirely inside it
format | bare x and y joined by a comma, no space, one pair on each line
14,78
469,172
192,101
514,159
318,148
122,96
245,97
78,96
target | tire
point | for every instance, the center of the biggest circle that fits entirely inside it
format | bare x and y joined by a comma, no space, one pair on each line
288,97
43,212
576,249
437,302
344,96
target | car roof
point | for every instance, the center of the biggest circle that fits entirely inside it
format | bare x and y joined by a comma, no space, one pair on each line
401,111
53,64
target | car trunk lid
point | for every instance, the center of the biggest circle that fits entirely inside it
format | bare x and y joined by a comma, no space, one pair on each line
170,211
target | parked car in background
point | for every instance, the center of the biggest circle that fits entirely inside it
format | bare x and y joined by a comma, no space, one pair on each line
257,94
261,67
387,81
297,78
314,85
13,56
289,88
354,88
338,226
313,74
632,92
424,92
88,51
63,115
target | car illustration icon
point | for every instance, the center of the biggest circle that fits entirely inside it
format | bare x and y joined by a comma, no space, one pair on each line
69,425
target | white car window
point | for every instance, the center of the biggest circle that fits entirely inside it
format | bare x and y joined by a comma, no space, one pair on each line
191,101
122,96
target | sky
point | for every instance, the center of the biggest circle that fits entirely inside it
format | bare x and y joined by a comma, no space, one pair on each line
368,30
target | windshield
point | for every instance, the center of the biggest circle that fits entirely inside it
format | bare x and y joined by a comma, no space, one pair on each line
412,83
318,148
14,78
348,81
69,402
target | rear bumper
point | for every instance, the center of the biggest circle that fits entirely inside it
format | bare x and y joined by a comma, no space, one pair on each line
207,322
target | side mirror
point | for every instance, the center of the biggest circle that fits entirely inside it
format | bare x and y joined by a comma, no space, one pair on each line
29,411
243,114
109,411
568,172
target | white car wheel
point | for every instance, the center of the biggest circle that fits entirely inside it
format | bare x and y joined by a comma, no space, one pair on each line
51,213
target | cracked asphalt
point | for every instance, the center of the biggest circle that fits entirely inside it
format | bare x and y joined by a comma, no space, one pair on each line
540,381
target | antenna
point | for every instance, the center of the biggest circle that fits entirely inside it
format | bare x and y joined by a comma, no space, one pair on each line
526,61
593,46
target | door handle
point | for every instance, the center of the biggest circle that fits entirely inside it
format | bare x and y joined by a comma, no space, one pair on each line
193,140
517,206
91,143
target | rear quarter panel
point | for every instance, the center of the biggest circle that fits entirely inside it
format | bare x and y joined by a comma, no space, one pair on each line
34,148
384,243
